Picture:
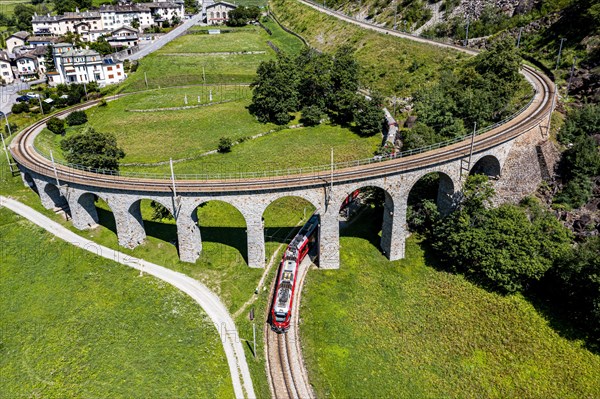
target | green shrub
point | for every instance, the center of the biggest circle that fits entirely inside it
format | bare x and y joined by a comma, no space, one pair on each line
76,118
20,108
56,126
225,144
311,115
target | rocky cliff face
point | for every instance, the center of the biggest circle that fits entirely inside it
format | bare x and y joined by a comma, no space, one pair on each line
474,8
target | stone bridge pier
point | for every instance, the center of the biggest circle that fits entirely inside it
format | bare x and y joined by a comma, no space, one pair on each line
79,202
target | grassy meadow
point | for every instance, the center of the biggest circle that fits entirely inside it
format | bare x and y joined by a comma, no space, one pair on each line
77,325
391,65
403,329
193,59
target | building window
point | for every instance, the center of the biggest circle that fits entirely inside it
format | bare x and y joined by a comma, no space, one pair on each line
109,68
111,76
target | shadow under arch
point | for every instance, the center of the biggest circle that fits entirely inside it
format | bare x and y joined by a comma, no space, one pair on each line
28,180
433,186
282,218
55,195
488,165
106,217
375,217
221,223
162,228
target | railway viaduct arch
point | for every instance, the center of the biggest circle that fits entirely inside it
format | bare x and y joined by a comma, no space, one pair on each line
488,152
79,198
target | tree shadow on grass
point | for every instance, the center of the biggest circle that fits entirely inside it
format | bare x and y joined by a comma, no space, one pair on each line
366,225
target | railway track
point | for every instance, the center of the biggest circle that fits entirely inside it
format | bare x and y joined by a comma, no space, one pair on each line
286,371
24,153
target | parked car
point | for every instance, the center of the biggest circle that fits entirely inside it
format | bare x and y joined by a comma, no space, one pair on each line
33,95
22,99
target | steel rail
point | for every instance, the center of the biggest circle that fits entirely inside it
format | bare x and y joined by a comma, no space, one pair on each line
23,151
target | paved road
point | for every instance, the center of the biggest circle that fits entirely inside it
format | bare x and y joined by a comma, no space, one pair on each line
240,374
9,93
167,38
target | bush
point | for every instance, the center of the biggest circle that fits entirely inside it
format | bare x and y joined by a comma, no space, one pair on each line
56,126
225,144
76,118
13,128
311,115
93,149
102,103
20,107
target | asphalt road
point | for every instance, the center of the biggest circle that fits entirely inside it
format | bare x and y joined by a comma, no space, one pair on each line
234,351
9,94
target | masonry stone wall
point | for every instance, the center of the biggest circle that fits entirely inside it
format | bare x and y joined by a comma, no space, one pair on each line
515,161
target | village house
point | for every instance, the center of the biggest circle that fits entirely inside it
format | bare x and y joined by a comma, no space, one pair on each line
26,67
16,40
123,37
83,66
6,73
218,13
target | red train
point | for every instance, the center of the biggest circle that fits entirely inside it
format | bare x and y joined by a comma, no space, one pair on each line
281,309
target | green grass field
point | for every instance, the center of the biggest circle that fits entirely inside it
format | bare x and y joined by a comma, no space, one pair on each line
150,137
391,65
403,329
76,325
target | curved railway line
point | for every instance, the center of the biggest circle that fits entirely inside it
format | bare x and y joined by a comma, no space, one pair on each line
24,153
285,368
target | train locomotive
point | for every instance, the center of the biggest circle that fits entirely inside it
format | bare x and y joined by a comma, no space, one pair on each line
281,309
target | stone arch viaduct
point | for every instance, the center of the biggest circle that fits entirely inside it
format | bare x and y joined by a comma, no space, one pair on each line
61,186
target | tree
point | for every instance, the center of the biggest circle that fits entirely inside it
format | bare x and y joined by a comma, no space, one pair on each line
241,15
274,91
225,144
101,46
50,67
191,7
18,108
62,6
369,116
23,16
314,69
344,85
311,115
578,280
76,118
505,248
135,23
92,149
56,126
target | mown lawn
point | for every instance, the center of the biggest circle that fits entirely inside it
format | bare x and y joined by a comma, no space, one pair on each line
182,61
252,38
403,329
391,65
76,325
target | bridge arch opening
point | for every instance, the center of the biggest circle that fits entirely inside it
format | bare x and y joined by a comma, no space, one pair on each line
433,193
223,234
282,219
367,213
489,165
28,181
105,217
158,222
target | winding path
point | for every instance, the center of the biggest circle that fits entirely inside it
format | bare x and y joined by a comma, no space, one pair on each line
210,303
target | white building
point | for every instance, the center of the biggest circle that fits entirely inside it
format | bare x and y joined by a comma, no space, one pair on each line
218,13
166,11
124,36
15,40
119,15
84,66
6,73
58,25
26,67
